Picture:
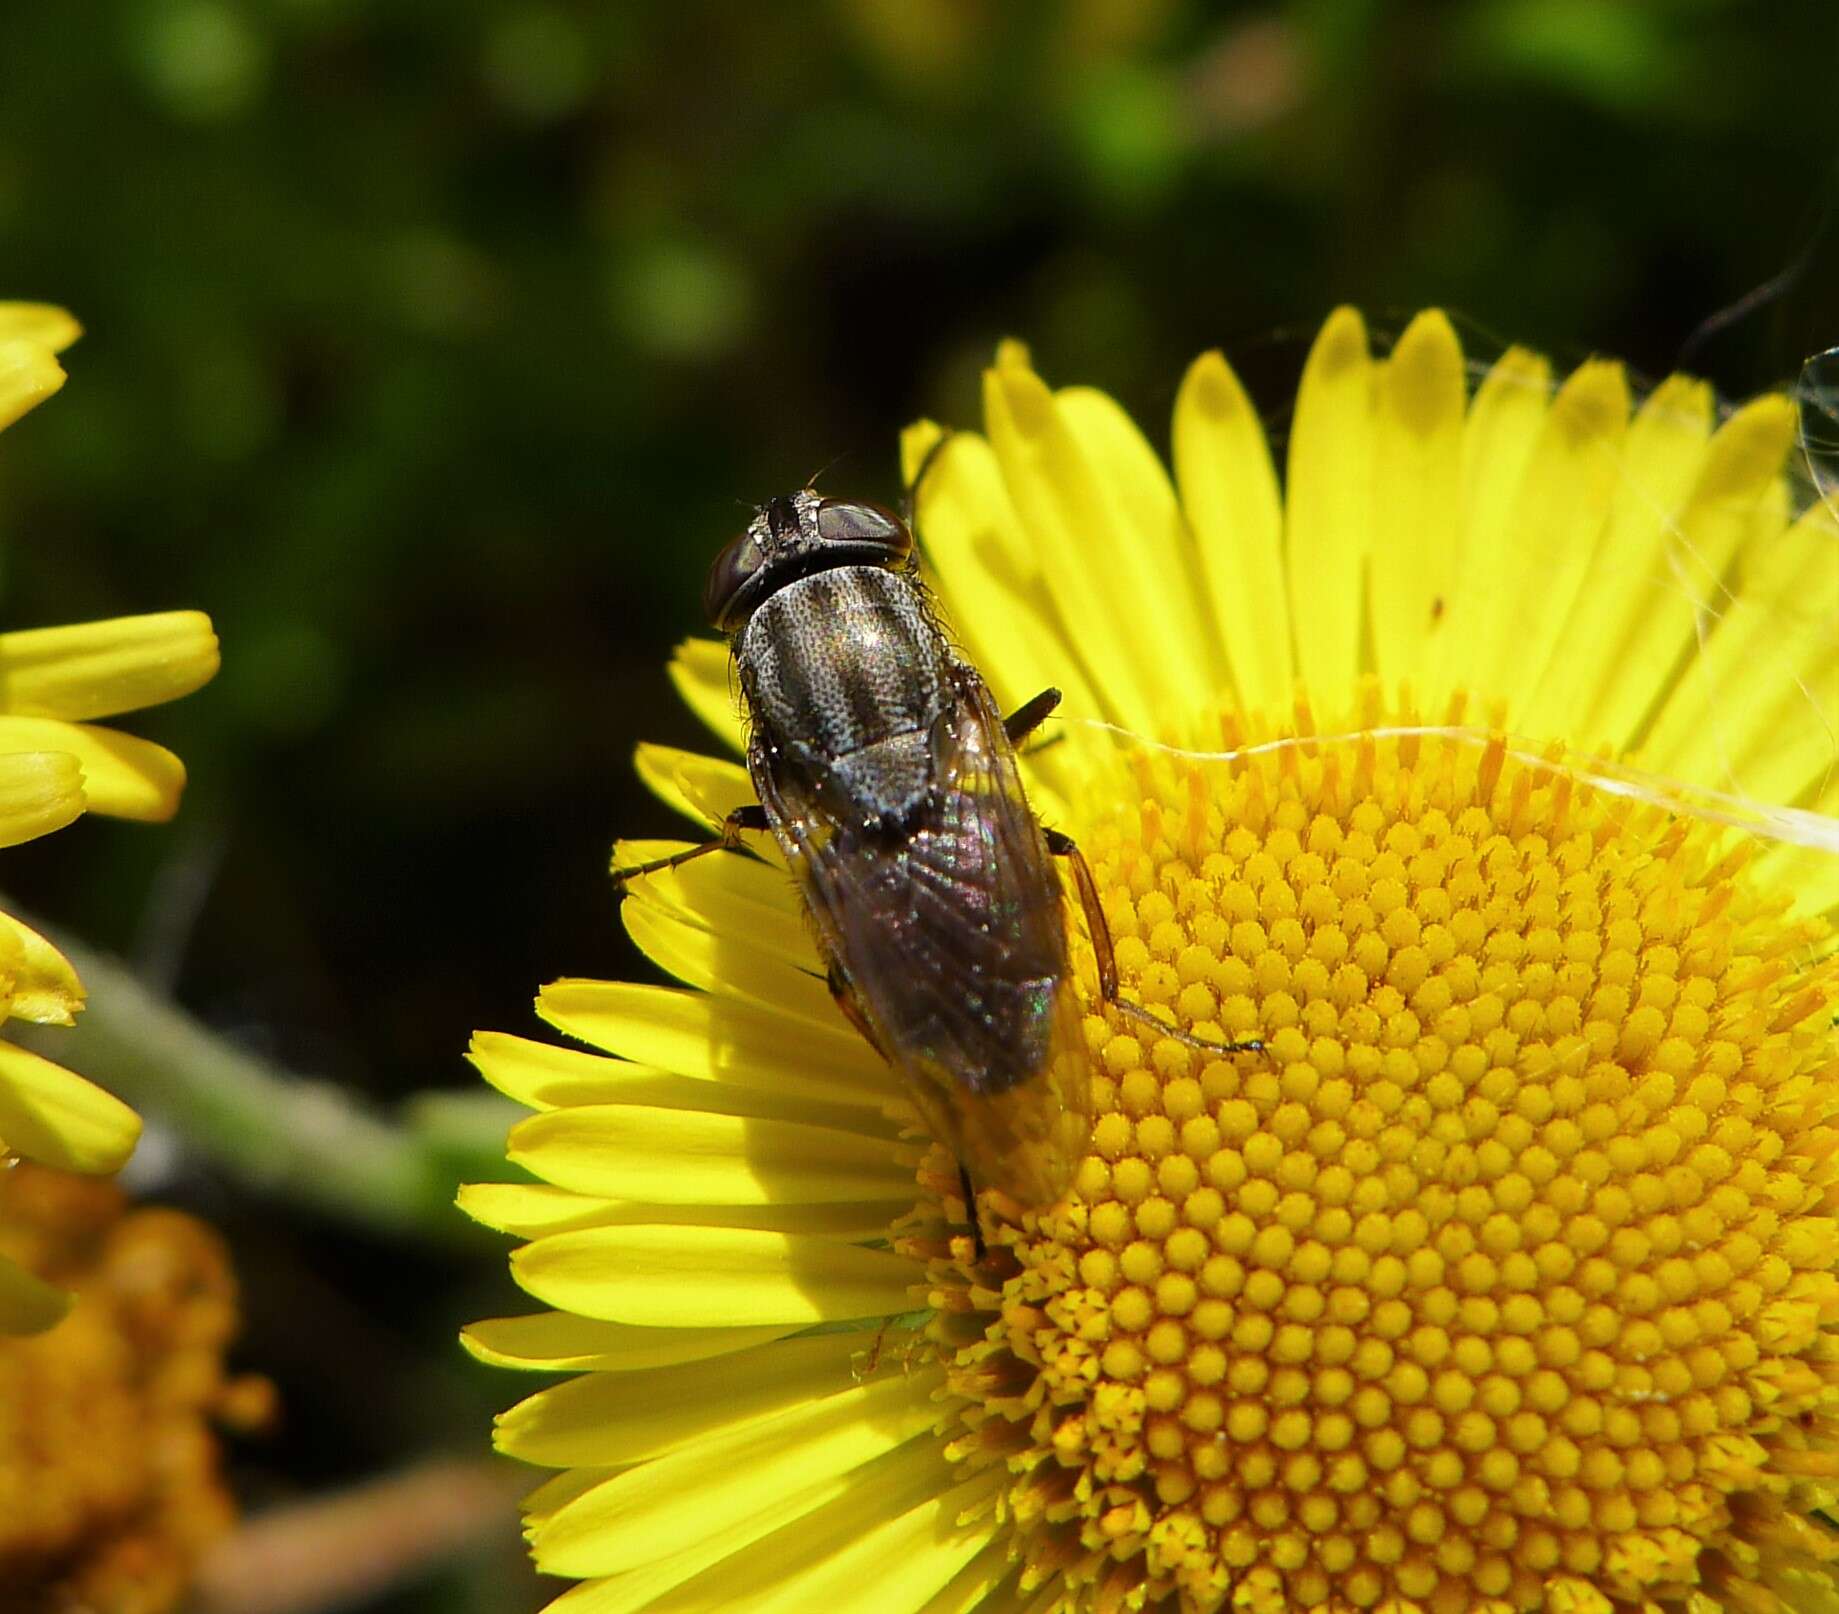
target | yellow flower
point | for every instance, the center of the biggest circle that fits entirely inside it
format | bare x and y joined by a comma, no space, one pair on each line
56,764
1487,774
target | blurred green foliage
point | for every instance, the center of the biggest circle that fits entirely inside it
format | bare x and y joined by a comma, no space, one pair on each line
434,346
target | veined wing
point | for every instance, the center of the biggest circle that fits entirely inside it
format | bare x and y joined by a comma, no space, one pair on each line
951,935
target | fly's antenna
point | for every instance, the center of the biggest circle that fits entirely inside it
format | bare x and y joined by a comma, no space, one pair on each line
824,470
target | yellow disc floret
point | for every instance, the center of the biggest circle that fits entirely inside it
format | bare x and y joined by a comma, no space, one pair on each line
1504,1280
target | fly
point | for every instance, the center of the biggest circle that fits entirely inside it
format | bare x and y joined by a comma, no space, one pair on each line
888,777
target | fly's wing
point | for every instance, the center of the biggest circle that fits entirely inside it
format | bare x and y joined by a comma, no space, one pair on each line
951,935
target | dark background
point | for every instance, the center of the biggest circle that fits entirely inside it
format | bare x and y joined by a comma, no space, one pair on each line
434,346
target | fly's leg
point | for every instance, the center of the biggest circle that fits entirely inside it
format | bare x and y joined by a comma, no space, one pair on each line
1065,846
845,995
972,1211
1030,715
752,816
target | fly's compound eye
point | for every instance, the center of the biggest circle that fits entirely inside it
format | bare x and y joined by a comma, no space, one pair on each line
857,522
733,569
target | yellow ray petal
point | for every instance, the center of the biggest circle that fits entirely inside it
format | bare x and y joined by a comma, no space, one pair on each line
548,1077
1551,536
606,1419
544,1076
719,1039
1737,495
893,1563
700,668
123,776
1417,498
1329,504
726,895
1104,592
706,789
1757,711
43,323
709,1277
696,1157
40,791
1662,454
42,983
730,964
891,1487
535,1210
1229,491
973,1590
559,1342
1503,424
54,1116
95,669
28,1305
988,578
677,1582
666,1506
28,376
1152,535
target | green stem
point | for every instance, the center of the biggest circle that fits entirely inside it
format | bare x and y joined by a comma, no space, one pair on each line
281,1134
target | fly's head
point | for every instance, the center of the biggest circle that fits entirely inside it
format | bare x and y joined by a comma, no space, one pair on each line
795,536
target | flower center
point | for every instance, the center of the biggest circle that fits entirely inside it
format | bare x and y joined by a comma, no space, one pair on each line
1506,1275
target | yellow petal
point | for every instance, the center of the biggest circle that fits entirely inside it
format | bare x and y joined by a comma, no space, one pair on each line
95,669
54,1116
889,1487
1662,455
606,1419
548,1077
535,1210
43,323
719,1039
667,1505
703,788
1417,497
39,791
1736,496
1550,539
695,1157
811,1519
44,985
1229,491
726,895
28,376
1099,591
123,777
1329,505
1503,423
702,671
710,1277
559,1342
545,1076
1150,537
1757,711
729,963
894,1563
988,578
28,1305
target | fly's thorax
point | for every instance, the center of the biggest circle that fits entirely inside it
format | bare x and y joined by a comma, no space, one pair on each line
847,672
